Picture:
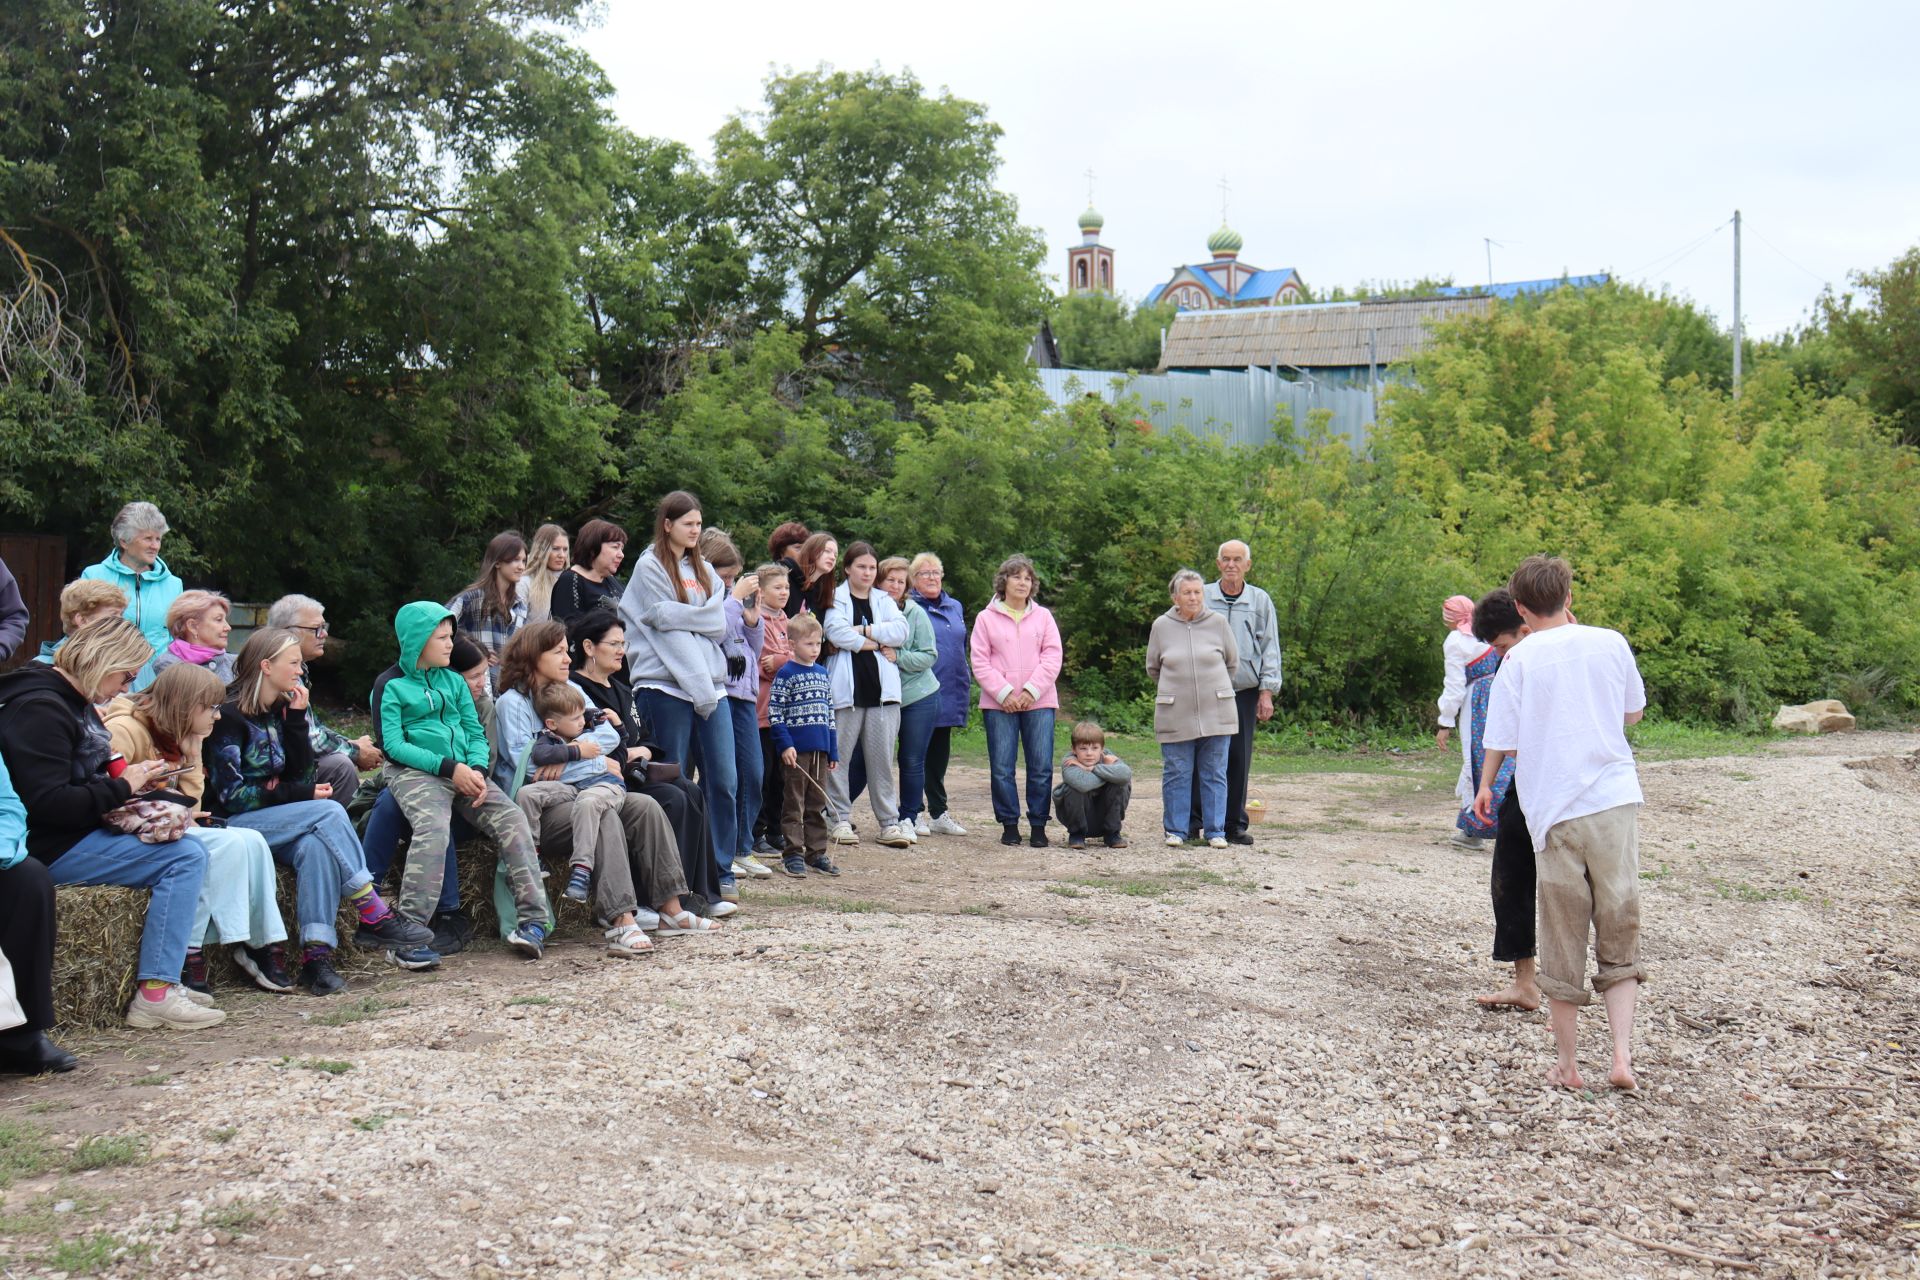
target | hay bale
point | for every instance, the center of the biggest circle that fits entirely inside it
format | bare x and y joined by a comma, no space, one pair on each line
479,857
98,953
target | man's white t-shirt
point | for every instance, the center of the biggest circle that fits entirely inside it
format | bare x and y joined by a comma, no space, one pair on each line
1560,704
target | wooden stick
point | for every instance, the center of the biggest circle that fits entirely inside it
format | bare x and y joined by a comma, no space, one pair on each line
1695,1023
1121,994
1681,1251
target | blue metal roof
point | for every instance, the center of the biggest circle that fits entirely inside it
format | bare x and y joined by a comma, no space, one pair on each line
1200,273
1514,288
1153,295
1264,284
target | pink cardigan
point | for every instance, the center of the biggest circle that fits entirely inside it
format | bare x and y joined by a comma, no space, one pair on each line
1010,655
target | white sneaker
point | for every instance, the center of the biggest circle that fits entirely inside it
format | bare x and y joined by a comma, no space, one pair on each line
843,834
1174,842
1218,842
173,1011
896,836
752,866
920,827
944,825
907,830
648,920
723,909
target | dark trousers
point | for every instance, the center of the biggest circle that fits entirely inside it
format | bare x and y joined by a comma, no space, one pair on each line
939,751
773,792
26,935
1513,876
1239,765
686,811
1099,812
804,815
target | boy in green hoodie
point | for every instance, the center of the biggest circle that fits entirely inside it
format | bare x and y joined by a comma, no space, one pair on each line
438,756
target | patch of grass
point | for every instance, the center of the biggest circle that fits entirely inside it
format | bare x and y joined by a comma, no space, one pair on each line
1664,872
1741,891
1409,871
357,1011
223,1135
108,1151
158,1077
371,1124
856,905
1679,740
976,910
1741,775
1067,890
1082,921
332,1066
39,1218
85,1255
49,1105
236,1218
23,1151
1349,884
529,1000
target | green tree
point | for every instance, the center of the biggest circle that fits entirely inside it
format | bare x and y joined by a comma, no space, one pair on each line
1102,331
872,205
1878,333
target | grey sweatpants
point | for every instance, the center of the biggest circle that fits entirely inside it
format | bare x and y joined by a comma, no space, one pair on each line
874,732
624,836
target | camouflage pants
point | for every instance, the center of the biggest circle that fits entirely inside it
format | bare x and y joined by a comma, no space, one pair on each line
427,800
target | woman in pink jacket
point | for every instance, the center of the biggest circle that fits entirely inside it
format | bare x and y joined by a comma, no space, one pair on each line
1016,660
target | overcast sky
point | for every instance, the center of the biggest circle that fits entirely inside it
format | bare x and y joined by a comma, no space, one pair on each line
1373,141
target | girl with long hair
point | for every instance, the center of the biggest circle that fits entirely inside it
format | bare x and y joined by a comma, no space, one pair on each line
490,609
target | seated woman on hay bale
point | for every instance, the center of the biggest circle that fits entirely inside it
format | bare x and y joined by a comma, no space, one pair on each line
170,721
261,775
60,758
626,844
26,948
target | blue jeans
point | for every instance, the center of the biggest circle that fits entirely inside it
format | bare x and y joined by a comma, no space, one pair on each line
746,770
1198,763
1031,732
916,731
316,839
386,826
675,726
173,871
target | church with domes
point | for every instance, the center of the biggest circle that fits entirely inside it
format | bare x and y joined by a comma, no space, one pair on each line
1223,282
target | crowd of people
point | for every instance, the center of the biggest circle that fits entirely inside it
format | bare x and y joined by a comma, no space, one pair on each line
665,733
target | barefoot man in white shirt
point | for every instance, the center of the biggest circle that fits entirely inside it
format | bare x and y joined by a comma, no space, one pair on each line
1561,705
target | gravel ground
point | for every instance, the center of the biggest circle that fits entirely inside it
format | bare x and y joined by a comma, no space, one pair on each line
964,1059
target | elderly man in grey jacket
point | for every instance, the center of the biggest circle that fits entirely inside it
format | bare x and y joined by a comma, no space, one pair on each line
1256,631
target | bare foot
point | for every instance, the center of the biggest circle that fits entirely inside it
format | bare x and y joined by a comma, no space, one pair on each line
1516,995
1621,1077
1565,1077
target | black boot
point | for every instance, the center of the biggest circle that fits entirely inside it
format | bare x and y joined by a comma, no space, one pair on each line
30,1053
1039,837
1010,833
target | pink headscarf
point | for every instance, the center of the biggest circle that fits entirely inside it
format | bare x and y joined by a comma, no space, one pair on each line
1458,611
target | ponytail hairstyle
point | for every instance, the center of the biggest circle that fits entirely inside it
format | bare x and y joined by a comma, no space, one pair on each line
249,688
671,508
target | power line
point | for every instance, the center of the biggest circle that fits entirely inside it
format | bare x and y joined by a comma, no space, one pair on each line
1813,275
1681,254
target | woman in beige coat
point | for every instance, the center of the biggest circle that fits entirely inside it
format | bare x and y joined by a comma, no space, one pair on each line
1191,656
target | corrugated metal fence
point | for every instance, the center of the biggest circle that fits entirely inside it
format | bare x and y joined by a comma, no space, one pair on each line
1239,406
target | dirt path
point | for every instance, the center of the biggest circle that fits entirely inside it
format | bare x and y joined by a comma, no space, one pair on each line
965,1059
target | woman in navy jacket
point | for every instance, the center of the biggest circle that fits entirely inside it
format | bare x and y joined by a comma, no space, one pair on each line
926,578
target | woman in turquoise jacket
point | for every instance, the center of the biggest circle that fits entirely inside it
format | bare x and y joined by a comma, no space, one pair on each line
135,566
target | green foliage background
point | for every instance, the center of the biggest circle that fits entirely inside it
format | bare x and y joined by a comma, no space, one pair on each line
347,287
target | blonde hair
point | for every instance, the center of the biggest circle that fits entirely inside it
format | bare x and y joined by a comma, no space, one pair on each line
84,596
192,606
249,681
924,560
770,572
175,697
539,578
99,649
804,626
894,564
717,549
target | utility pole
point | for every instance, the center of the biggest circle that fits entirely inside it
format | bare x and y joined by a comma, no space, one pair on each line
1736,304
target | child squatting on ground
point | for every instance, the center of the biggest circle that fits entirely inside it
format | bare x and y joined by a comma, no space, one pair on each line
1095,786
1563,700
800,712
590,778
437,756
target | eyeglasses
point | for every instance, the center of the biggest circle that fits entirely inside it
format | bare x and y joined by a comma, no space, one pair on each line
319,631
929,573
